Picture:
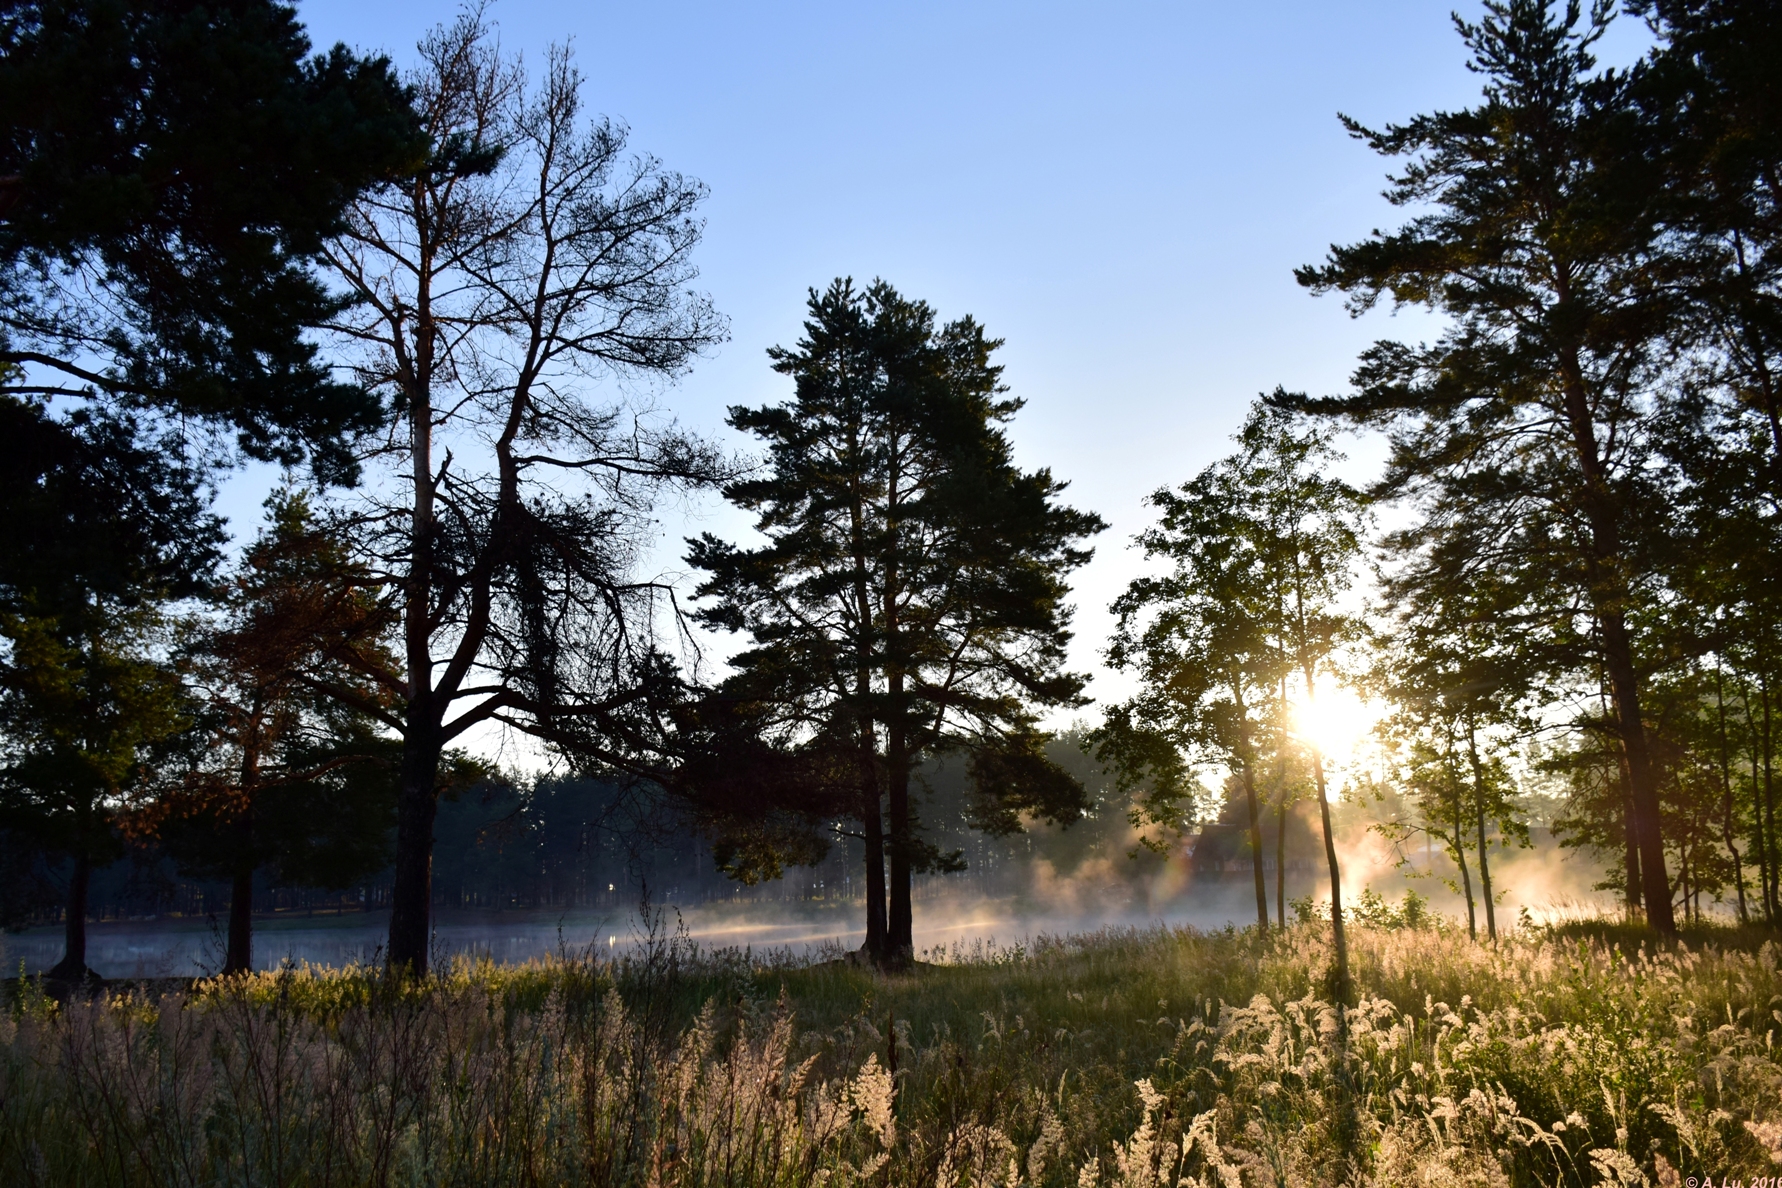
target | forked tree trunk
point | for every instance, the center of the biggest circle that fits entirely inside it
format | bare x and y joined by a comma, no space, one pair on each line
1255,810
1458,839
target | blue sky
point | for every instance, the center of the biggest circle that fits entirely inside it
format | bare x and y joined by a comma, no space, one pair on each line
1121,191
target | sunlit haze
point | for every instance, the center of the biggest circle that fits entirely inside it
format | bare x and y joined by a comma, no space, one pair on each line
1334,719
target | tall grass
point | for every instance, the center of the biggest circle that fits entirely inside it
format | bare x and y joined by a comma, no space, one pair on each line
1132,1058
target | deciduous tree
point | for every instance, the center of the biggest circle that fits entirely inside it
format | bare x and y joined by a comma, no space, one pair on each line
528,261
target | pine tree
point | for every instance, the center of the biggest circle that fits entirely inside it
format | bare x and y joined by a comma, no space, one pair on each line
286,765
1534,411
89,706
910,599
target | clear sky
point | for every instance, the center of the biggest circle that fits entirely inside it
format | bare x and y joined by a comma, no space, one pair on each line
1121,191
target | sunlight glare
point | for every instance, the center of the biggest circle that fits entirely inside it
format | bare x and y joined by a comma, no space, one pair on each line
1336,721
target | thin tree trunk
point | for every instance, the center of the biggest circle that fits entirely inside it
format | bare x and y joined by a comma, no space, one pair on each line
1459,835
1255,820
900,949
1281,858
1339,940
1472,747
1728,809
73,966
1256,850
1341,988
239,957
1281,816
411,890
1765,875
1631,856
1774,906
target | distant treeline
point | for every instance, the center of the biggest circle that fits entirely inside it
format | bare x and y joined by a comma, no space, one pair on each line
581,843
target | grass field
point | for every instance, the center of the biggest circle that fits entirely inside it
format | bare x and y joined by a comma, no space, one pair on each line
1580,1055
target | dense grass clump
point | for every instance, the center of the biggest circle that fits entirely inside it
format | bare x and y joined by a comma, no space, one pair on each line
1132,1058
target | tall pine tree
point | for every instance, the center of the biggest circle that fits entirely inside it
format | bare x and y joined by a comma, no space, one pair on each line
910,600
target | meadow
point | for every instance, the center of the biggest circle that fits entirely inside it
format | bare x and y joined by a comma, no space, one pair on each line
1138,1058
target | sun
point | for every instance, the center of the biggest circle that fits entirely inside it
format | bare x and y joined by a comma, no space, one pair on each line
1335,720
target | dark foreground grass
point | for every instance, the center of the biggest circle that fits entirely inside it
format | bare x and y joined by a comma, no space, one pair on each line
1137,1058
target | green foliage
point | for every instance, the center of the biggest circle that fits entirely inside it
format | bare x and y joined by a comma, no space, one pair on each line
1260,544
910,601
1527,437
83,713
171,170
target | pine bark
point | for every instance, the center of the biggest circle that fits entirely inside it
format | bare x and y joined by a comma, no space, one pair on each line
73,966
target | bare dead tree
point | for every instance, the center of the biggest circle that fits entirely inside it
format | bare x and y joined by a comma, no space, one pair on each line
529,263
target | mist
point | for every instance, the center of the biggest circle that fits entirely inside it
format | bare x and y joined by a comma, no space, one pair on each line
1044,882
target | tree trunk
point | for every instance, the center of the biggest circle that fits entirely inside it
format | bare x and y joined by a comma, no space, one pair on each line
1281,818
1759,839
1340,979
1630,844
1472,749
1459,835
1728,817
1655,890
240,955
900,948
1281,858
1341,988
1609,597
1247,759
874,829
411,891
1773,904
73,966
1256,849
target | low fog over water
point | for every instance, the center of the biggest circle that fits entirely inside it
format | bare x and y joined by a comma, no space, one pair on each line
948,921
522,872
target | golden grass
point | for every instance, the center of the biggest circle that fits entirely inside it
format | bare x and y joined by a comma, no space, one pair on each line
1133,1058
